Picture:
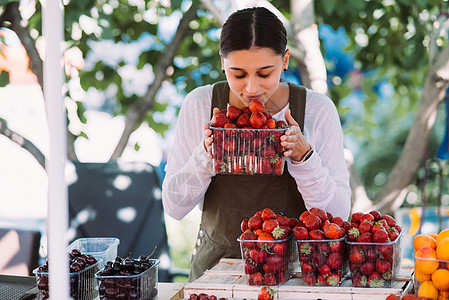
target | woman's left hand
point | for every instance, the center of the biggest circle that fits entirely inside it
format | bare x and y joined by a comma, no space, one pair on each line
294,141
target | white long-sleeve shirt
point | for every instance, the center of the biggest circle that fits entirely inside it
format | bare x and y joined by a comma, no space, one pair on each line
322,180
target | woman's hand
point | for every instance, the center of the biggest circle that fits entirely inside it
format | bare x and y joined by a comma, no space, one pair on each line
208,134
294,141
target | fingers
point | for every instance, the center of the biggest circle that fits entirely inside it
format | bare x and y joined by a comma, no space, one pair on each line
289,119
208,140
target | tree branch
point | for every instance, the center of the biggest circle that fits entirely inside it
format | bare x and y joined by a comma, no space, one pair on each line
22,142
137,112
12,14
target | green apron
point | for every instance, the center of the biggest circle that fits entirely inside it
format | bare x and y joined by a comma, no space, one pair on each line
233,198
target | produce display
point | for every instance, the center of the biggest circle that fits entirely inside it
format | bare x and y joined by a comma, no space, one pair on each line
267,247
321,246
204,296
431,270
374,249
82,281
129,278
247,141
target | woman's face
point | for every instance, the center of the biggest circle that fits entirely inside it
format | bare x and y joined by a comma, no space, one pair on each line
254,73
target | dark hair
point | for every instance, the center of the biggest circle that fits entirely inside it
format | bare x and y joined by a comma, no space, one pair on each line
256,26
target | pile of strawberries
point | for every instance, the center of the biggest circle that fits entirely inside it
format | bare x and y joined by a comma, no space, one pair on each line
247,141
322,251
204,296
268,247
373,251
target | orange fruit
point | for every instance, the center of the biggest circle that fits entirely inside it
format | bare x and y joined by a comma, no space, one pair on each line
428,290
442,235
425,260
440,279
421,277
443,249
424,240
434,235
444,294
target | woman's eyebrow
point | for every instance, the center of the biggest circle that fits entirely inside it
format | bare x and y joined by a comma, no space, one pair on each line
262,68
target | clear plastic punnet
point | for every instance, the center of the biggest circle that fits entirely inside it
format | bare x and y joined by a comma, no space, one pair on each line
102,248
323,262
143,286
268,262
374,265
248,151
83,285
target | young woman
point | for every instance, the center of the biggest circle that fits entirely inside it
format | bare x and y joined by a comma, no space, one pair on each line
253,54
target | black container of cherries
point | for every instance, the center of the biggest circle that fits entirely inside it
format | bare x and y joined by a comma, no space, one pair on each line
129,278
83,284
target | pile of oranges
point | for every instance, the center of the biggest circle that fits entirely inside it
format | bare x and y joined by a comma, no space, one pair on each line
432,265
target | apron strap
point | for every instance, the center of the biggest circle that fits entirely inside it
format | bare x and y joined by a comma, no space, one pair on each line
297,99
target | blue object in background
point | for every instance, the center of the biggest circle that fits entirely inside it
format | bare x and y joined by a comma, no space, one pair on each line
443,151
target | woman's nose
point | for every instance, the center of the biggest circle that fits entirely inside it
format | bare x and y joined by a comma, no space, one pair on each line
251,84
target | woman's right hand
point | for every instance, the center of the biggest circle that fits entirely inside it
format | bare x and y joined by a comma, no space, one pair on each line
208,134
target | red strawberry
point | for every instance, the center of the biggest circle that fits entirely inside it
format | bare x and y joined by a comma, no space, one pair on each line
280,232
221,120
271,123
333,280
269,279
265,166
335,260
303,216
282,220
229,145
243,120
382,266
366,237
233,112
390,220
244,225
321,281
280,248
355,217
281,124
371,254
383,223
306,268
332,231
398,228
365,227
264,240
380,236
268,214
353,234
312,222
258,256
324,248
375,280
336,246
269,224
250,164
329,216
247,134
316,235
250,266
256,105
318,258
255,279
367,217
280,277
300,232
257,119
356,255
393,234
392,297
339,221
319,213
309,278
386,251
268,151
305,248
324,270
275,262
376,214
248,235
368,268
359,280
255,223
354,267
237,166
246,110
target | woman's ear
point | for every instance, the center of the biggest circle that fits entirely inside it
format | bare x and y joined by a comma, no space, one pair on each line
222,62
286,59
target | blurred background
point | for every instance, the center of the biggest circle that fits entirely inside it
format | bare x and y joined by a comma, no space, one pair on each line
128,66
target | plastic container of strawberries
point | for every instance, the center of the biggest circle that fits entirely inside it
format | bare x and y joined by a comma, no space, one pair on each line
247,151
434,270
268,262
374,265
323,262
